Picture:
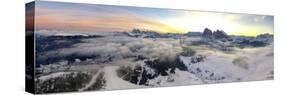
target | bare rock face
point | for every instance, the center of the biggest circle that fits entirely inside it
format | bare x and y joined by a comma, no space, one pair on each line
220,34
136,31
207,34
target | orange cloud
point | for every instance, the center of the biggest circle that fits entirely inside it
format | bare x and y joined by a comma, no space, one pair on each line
86,21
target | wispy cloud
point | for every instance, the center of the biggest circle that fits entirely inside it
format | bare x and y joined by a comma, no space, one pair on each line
64,19
102,18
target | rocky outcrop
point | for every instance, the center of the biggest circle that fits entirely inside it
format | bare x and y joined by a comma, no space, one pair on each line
220,34
211,35
265,36
207,34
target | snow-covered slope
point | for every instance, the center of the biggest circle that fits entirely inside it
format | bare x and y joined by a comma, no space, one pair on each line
121,62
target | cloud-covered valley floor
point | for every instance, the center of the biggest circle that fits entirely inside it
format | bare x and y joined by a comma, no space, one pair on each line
112,61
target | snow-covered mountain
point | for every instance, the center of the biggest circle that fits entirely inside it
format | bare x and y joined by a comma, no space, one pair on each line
140,59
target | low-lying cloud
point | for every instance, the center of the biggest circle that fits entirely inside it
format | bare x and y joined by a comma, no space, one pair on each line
120,48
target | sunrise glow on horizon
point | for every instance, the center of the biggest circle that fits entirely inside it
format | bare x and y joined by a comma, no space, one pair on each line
103,18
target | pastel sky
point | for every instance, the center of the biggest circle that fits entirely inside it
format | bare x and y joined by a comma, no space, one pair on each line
104,18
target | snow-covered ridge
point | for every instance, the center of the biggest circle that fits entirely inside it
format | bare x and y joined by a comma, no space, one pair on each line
122,61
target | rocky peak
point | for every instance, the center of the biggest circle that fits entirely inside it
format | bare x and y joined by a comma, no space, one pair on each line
266,35
136,31
208,34
219,34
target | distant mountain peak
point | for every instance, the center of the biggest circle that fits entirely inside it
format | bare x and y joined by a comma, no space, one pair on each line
218,34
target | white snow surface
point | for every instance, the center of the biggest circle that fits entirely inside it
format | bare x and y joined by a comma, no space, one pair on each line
218,66
114,82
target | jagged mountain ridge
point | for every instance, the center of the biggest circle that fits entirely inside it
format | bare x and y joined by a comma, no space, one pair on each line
146,61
